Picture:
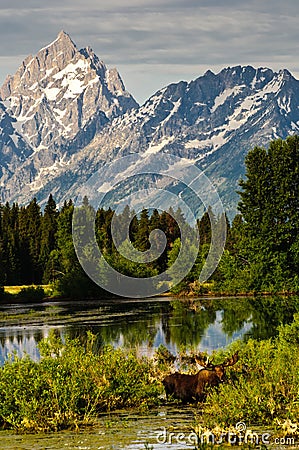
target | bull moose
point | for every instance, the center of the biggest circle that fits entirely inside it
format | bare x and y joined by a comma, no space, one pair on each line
188,388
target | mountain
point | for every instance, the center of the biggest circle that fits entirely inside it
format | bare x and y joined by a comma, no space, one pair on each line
65,115
52,107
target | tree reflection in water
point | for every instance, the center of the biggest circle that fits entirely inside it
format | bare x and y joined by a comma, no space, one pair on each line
179,324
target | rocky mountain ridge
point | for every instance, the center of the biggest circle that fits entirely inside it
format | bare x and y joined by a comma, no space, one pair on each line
64,115
60,96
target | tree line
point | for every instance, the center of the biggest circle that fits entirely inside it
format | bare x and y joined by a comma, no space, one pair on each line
261,252
36,246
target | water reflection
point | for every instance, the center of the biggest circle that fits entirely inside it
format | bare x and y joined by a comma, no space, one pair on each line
198,324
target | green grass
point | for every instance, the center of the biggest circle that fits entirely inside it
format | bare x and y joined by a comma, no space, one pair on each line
14,290
263,387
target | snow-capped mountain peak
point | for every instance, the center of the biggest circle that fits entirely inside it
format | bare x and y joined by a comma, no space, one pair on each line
57,100
64,114
54,94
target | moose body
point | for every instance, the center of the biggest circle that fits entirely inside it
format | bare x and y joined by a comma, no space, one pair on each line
188,388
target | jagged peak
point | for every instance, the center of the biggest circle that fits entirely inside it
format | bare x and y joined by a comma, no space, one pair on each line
62,41
259,71
88,52
285,74
63,38
239,74
209,73
63,35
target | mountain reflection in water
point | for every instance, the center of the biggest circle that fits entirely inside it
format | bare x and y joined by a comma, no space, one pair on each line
190,324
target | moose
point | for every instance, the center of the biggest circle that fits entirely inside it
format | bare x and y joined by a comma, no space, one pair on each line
188,388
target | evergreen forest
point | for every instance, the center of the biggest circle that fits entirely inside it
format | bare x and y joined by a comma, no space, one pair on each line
261,252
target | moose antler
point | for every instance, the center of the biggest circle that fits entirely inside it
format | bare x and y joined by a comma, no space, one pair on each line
232,360
203,361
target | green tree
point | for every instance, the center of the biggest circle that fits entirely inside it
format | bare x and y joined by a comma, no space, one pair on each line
10,244
186,254
103,230
205,226
130,267
270,208
33,235
73,282
63,259
141,241
48,237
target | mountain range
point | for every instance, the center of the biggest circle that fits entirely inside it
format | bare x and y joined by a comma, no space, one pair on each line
64,115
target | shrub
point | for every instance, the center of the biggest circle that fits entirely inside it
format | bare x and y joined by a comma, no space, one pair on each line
265,385
31,293
71,384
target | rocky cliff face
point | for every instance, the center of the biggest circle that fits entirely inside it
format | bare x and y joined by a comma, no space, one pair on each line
64,115
213,121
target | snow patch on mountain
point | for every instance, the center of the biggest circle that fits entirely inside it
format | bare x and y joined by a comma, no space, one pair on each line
155,148
221,98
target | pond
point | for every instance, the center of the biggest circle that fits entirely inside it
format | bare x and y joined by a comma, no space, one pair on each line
187,324
201,324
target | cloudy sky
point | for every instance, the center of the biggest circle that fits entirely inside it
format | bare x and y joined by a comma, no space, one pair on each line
155,42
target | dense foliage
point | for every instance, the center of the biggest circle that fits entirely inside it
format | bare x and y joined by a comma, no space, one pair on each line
36,247
263,388
261,253
72,384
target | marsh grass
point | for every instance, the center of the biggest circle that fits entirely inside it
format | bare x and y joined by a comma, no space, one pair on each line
48,288
20,294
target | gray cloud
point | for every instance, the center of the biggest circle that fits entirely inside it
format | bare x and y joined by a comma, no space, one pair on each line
161,40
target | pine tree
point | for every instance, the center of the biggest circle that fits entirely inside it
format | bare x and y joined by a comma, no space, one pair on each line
142,243
11,244
103,230
3,251
33,218
205,226
48,238
154,220
65,245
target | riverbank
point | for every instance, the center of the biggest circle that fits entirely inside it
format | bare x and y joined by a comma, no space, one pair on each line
133,429
46,293
163,428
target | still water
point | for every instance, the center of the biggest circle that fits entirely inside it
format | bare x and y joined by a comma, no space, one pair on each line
134,324
197,324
